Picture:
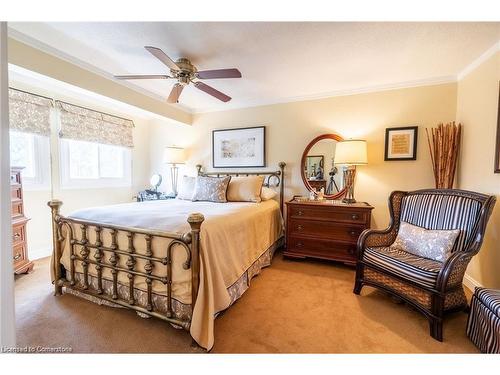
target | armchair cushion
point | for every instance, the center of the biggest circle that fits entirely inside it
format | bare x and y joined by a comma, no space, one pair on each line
427,243
420,270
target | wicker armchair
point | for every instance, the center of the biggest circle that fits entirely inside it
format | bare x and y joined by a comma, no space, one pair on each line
430,286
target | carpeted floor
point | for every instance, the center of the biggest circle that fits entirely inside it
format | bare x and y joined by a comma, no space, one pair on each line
292,307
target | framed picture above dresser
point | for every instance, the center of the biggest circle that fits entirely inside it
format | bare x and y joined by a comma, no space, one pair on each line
22,264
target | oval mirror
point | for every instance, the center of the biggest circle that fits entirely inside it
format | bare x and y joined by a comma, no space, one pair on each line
318,168
155,181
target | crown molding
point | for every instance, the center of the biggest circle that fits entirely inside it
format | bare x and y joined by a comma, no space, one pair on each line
23,38
477,62
330,94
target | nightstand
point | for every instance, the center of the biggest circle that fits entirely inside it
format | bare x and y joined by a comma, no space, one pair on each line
327,229
151,195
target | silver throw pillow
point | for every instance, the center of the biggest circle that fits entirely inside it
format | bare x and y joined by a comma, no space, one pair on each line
211,189
426,243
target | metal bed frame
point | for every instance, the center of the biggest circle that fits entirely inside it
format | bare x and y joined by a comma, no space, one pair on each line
63,228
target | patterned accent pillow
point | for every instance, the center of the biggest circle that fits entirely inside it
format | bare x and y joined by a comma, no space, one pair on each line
426,243
211,189
186,189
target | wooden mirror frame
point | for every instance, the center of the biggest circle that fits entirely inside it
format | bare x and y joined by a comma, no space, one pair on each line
334,137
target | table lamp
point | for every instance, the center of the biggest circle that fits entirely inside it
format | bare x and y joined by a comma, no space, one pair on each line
174,155
350,153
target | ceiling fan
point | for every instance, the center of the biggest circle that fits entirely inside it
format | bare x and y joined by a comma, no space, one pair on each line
184,72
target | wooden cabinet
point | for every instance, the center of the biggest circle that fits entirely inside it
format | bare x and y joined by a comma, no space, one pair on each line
19,249
327,229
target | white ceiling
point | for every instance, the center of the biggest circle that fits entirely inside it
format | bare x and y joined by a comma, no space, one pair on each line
279,61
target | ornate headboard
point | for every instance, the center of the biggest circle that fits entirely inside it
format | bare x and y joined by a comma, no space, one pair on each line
272,178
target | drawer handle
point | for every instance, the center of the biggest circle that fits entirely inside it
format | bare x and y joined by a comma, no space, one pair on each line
300,213
300,227
17,257
300,244
353,233
355,217
16,236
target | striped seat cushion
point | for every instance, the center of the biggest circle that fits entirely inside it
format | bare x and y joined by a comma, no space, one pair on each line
422,271
490,298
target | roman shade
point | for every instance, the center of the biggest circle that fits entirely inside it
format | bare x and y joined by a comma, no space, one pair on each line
85,124
29,113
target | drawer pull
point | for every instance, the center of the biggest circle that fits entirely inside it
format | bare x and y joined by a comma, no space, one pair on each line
300,244
300,227
300,213
353,233
16,236
355,217
17,257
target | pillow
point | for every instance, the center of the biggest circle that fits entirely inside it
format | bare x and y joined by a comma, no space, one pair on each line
186,190
245,189
426,243
267,193
211,189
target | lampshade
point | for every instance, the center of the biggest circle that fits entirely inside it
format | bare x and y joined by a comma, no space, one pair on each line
174,155
351,152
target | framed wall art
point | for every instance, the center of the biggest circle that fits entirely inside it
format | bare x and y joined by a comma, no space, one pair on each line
239,147
401,143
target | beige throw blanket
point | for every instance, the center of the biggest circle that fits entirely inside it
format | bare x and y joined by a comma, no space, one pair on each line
232,237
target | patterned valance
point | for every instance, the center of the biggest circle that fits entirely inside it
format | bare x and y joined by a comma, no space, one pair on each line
88,125
29,113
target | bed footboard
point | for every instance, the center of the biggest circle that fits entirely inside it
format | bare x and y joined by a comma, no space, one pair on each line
107,257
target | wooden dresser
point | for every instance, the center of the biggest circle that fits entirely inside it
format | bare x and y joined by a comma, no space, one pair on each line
326,229
20,251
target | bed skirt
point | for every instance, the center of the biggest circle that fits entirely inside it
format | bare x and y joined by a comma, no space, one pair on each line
180,310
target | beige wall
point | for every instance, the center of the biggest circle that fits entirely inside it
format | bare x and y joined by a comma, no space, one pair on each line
477,110
290,127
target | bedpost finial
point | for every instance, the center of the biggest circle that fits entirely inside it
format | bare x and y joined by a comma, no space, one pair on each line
195,220
54,204
282,165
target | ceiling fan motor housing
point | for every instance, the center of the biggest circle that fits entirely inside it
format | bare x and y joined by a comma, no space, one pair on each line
186,71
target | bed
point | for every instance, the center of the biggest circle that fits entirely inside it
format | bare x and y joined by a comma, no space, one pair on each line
180,261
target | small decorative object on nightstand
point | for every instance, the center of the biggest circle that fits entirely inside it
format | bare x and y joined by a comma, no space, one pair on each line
325,229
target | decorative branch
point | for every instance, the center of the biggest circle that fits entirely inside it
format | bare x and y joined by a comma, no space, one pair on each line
444,146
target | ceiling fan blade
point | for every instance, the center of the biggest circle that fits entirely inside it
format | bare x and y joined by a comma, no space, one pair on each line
175,93
211,91
143,76
219,73
162,56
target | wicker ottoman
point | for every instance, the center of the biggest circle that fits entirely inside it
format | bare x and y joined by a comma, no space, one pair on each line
483,326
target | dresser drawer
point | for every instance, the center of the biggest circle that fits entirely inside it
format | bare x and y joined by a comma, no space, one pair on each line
16,192
329,214
18,233
19,253
17,208
15,177
321,248
325,229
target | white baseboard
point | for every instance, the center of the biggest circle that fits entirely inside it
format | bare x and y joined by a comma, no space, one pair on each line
39,253
471,283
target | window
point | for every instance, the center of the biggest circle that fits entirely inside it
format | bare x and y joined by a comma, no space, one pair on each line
93,165
32,152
